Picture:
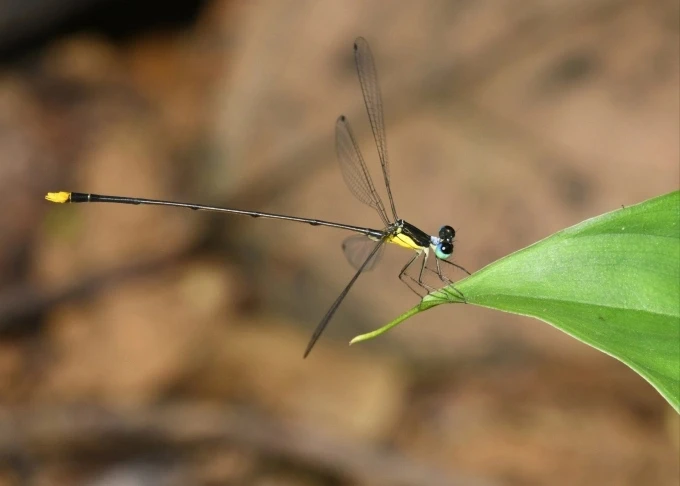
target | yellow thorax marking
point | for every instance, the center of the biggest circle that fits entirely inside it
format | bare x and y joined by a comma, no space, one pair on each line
58,197
404,241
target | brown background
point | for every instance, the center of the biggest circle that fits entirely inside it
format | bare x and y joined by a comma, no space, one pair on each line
152,346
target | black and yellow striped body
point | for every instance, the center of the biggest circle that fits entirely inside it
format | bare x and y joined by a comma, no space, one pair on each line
408,236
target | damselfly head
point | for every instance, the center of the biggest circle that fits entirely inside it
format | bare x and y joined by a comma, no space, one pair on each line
447,233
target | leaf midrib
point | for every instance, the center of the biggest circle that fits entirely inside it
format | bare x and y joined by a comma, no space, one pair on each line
572,301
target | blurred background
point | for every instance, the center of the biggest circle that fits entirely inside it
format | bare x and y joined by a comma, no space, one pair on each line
144,346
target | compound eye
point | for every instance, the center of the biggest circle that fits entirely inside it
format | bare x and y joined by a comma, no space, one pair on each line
443,250
447,233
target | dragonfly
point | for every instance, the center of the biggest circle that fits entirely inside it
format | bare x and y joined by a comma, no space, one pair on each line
363,249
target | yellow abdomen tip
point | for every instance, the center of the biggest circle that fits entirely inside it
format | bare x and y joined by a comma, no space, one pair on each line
58,197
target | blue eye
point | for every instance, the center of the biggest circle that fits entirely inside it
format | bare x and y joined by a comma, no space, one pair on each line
443,250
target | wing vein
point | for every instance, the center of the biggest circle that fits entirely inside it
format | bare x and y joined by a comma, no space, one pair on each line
326,319
354,169
368,78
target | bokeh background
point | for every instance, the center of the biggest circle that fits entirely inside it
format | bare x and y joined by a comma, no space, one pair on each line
145,346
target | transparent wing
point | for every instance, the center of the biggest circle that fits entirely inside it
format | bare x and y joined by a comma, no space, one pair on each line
368,77
357,248
329,315
354,169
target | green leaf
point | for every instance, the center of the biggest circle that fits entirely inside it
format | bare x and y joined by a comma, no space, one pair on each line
612,282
